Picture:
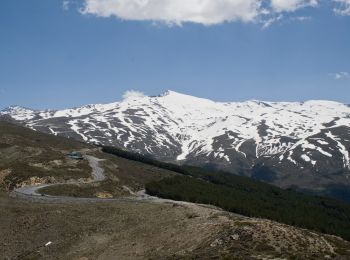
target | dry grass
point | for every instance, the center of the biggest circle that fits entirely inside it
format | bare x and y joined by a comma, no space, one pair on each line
30,157
140,230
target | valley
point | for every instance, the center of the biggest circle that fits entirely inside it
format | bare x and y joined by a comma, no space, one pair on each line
112,219
174,130
299,145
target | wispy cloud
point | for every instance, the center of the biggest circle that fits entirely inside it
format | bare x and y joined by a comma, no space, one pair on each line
65,5
282,19
268,22
343,7
301,18
340,75
133,94
291,5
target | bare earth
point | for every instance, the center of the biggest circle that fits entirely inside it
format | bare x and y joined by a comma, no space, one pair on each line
151,230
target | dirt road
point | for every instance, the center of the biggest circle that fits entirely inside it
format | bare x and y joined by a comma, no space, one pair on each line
31,192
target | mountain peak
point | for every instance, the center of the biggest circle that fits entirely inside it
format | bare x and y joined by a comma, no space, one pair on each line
18,113
171,93
16,108
180,98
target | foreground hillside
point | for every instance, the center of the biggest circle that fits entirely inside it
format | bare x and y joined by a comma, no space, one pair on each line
145,230
303,145
137,228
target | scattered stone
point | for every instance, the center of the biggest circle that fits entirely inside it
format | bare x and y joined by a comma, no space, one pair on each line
234,237
104,195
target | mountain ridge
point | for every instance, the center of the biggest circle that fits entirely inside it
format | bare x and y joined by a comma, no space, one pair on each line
291,144
170,92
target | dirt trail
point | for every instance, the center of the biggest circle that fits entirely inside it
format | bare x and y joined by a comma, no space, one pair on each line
31,192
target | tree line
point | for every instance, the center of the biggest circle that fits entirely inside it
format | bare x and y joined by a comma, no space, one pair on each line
246,196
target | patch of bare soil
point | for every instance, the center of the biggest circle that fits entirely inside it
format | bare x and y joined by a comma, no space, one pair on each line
147,230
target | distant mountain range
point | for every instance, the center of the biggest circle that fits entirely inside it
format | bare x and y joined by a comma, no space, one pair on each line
299,145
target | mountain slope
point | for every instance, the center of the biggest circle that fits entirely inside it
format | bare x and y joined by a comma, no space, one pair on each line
133,228
30,158
130,229
301,145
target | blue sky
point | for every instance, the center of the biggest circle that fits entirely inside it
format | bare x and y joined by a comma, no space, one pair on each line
57,54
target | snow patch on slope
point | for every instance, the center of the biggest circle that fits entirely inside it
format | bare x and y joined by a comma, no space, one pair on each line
342,149
19,113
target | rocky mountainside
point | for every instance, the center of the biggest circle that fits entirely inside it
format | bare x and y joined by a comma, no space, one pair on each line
74,228
303,145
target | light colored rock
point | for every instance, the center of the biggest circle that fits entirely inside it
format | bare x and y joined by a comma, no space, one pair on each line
4,174
104,195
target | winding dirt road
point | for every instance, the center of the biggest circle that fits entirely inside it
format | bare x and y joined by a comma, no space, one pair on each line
32,192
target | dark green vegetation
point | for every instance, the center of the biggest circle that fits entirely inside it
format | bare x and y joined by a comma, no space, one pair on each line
144,159
259,200
248,197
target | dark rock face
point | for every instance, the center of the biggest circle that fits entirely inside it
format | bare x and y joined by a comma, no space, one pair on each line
304,146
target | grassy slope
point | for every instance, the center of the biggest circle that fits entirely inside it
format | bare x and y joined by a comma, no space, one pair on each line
25,154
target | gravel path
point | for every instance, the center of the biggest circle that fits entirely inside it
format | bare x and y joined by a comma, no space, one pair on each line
97,171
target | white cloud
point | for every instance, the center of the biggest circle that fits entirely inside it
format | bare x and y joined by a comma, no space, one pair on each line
133,94
65,5
341,75
291,5
269,21
343,7
207,12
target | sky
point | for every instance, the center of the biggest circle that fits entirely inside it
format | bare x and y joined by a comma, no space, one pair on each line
58,54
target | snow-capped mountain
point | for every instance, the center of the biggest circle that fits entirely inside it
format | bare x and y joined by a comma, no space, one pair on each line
305,145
